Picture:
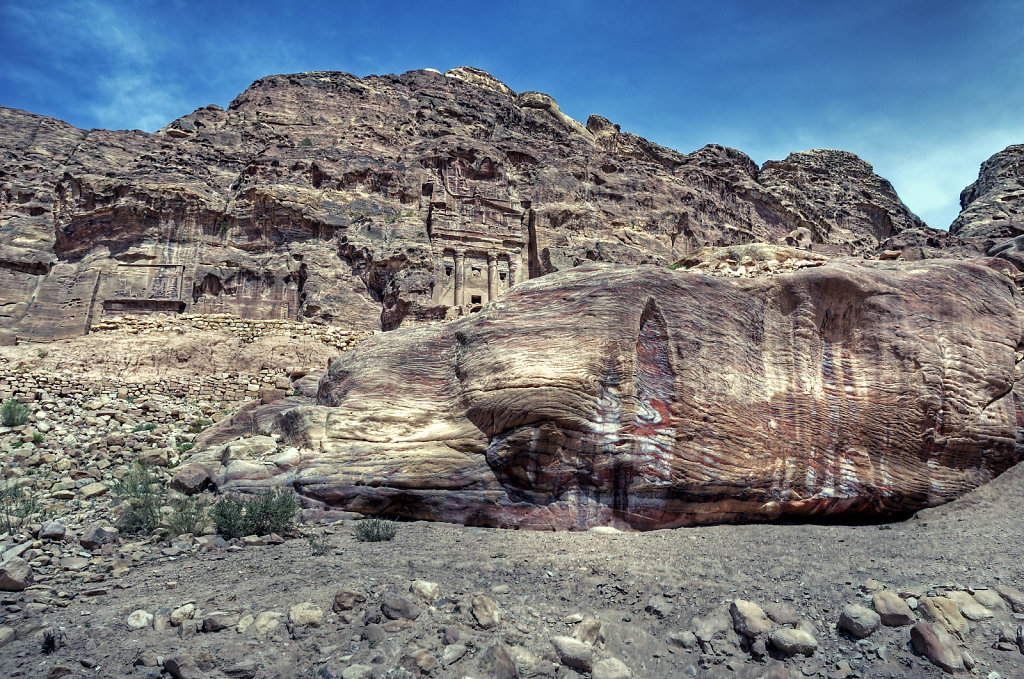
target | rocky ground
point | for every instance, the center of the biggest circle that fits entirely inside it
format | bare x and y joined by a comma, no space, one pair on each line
80,598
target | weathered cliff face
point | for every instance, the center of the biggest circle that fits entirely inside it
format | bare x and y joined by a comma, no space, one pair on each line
649,398
993,206
380,201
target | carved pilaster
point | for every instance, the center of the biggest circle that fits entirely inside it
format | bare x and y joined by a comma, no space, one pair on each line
460,277
492,275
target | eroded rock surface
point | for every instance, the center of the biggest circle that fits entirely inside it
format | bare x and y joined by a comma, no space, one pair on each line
646,398
382,201
993,206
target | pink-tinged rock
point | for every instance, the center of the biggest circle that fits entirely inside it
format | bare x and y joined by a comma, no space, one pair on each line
938,645
646,398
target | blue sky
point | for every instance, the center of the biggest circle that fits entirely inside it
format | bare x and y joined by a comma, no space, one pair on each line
924,91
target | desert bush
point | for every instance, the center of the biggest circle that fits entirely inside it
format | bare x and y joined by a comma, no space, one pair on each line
13,413
16,505
375,530
145,426
188,515
199,425
37,437
235,516
319,546
143,496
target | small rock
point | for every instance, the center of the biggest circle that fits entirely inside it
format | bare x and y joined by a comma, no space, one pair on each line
782,613
244,624
859,621
219,620
1012,596
396,607
182,613
687,639
95,536
497,663
659,606
346,599
969,607
944,611
93,490
267,622
893,611
989,598
7,635
486,611
139,619
588,630
610,668
375,634
52,530
748,618
427,591
357,671
306,614
793,641
574,653
933,641
453,653
15,575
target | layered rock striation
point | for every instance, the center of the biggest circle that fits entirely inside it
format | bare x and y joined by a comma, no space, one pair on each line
382,201
993,206
646,398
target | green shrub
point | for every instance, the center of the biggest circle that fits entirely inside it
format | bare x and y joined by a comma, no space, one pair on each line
199,425
375,530
188,515
306,142
145,426
13,413
185,447
37,437
319,546
16,505
144,496
235,516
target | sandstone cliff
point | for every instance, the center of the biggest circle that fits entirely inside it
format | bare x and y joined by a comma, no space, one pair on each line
993,206
650,398
380,201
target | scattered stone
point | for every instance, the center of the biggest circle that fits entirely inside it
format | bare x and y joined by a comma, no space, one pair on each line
486,612
182,613
453,653
357,671
52,530
969,607
419,662
610,668
305,614
397,607
374,633
244,624
686,639
93,490
588,630
790,641
748,618
944,611
219,620
243,669
659,606
933,641
782,613
267,622
990,599
574,653
15,575
893,611
347,599
859,621
1013,596
497,663
7,635
139,619
95,536
427,591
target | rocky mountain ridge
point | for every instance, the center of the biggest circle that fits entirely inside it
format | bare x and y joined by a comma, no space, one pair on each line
388,200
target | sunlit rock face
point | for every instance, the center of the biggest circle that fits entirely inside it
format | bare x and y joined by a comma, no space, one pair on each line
645,398
382,202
